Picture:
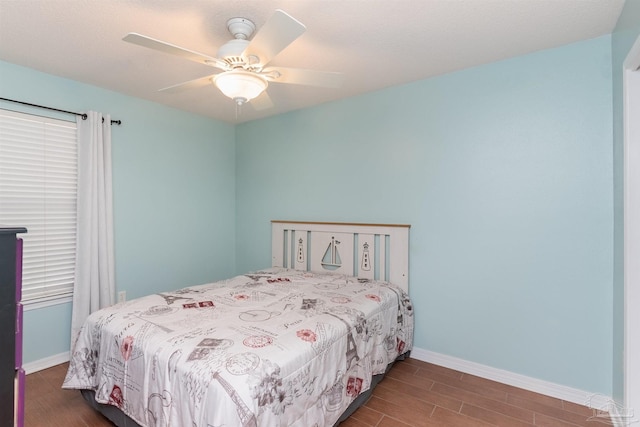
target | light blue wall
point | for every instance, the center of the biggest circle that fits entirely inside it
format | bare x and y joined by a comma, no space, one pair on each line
174,195
504,172
625,34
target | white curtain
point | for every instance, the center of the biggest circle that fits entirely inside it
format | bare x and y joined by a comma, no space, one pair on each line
94,284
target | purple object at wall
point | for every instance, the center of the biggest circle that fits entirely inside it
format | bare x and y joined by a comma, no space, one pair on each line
18,270
19,314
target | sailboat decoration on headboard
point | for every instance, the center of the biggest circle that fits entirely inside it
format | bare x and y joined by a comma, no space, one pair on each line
331,259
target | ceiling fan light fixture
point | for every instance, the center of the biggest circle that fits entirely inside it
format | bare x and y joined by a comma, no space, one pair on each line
240,85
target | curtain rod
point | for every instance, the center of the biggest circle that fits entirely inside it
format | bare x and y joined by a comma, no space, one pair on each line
83,115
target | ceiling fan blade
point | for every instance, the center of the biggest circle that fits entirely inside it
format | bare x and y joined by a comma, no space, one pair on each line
299,76
191,84
262,102
275,35
172,49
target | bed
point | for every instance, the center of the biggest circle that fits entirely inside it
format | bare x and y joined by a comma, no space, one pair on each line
301,343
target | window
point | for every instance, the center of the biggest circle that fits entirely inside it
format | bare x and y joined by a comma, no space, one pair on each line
38,187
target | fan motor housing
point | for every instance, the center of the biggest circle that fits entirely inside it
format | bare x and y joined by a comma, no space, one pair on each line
232,51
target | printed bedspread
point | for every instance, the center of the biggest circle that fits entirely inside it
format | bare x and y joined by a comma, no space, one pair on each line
273,348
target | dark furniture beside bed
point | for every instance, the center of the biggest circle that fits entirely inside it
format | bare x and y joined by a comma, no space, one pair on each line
11,372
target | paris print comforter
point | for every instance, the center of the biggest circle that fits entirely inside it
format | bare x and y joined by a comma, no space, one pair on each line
273,348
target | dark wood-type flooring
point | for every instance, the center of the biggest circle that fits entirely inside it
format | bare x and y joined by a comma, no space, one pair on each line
414,393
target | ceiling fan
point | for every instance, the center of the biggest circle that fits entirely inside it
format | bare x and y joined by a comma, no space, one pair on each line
242,72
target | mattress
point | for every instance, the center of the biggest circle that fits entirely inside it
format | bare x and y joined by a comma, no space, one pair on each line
276,347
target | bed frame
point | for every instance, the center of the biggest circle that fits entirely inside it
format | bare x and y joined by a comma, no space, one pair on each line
371,251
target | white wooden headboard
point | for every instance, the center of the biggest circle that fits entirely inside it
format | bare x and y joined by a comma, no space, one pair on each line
372,251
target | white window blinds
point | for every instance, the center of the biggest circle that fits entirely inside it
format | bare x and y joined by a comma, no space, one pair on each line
38,186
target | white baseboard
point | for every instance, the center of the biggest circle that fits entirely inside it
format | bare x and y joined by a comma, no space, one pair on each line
45,363
581,397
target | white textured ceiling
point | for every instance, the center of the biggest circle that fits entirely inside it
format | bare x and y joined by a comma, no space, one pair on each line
375,43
